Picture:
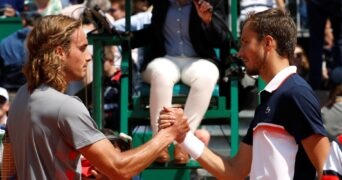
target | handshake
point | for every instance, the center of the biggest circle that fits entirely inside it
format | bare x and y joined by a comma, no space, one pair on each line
167,118
175,122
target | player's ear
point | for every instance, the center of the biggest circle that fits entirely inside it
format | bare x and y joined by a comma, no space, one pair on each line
269,42
60,52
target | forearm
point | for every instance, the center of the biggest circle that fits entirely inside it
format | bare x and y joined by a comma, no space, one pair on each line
222,168
216,165
136,160
317,148
212,162
124,165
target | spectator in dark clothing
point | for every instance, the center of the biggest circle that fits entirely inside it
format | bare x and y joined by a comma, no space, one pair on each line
318,13
17,5
13,54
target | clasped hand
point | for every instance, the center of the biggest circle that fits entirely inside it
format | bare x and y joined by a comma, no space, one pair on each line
173,119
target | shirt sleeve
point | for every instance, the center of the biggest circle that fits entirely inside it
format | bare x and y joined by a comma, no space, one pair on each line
305,119
76,124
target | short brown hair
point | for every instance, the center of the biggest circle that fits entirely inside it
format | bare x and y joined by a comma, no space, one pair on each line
278,24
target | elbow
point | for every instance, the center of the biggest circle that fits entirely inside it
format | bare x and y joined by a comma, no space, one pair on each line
122,171
128,175
119,174
128,171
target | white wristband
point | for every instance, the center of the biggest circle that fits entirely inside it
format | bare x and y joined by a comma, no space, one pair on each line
193,145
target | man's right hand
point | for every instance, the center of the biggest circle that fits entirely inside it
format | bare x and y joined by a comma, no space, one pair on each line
174,121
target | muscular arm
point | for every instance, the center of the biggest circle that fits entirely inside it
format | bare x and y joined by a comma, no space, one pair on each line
317,148
234,168
124,165
221,167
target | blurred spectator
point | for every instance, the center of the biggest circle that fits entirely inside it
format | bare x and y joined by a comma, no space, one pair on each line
75,10
138,21
328,35
117,10
17,5
76,1
13,53
248,6
301,61
30,5
319,11
49,7
8,11
332,111
303,14
336,76
4,106
115,13
104,5
66,3
141,6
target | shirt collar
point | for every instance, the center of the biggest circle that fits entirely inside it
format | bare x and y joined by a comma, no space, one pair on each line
279,78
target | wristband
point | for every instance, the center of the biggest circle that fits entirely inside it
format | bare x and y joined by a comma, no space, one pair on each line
193,145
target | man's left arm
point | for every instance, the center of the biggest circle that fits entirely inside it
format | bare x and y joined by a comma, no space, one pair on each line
308,126
317,148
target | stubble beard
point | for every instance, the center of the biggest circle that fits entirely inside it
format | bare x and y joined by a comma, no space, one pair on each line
252,72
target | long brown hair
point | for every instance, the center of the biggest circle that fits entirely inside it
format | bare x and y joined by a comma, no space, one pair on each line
44,66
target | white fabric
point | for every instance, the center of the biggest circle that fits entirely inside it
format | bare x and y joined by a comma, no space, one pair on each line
192,145
334,160
74,11
279,78
247,6
274,153
138,21
162,73
244,3
4,93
